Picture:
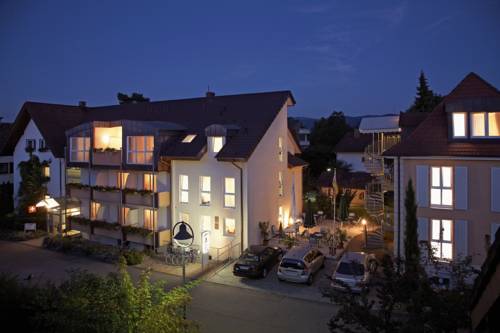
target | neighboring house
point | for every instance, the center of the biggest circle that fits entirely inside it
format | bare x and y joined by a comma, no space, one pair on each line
486,295
354,181
221,163
453,159
301,131
304,134
6,165
351,149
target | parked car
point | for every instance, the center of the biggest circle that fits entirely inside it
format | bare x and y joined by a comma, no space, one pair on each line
300,264
257,261
354,271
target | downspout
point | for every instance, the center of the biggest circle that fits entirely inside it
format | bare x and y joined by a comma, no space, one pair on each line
399,210
241,204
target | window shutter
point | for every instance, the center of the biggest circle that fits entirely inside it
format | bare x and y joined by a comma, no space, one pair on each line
423,229
461,188
494,228
422,185
460,232
495,189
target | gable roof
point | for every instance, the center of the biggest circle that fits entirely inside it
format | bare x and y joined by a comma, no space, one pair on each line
431,138
4,133
353,142
251,113
381,124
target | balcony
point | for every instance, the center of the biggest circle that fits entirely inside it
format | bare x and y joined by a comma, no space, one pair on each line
144,236
107,157
140,199
81,193
107,195
80,224
107,229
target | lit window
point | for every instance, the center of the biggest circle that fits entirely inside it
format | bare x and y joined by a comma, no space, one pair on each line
229,193
441,186
441,242
108,137
73,175
280,183
205,190
459,124
478,124
122,179
150,218
150,182
189,138
79,149
206,223
217,143
140,149
280,149
184,217
184,188
494,124
95,209
229,227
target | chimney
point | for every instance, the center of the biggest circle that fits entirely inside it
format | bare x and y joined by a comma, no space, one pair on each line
82,104
210,94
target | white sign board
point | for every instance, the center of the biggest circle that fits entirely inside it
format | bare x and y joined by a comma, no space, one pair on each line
30,227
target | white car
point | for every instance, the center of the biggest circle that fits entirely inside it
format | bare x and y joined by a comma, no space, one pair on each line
300,264
354,271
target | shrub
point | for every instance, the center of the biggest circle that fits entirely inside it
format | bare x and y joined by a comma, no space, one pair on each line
132,257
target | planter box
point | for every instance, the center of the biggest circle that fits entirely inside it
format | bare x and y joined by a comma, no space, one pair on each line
111,233
80,193
80,227
107,158
138,199
107,196
137,238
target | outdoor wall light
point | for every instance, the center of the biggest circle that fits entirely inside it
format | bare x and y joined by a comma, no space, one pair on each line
363,222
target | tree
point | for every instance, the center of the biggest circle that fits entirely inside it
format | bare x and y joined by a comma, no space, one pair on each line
426,100
132,99
6,198
32,187
412,250
325,134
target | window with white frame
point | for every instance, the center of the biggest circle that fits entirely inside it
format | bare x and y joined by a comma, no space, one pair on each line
205,191
184,188
217,143
149,182
280,183
229,227
485,124
206,223
140,149
441,187
150,218
229,192
441,239
79,148
31,144
459,124
280,149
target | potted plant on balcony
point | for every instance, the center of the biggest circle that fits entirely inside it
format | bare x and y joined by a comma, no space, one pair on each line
107,229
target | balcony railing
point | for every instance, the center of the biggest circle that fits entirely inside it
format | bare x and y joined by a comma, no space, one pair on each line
107,157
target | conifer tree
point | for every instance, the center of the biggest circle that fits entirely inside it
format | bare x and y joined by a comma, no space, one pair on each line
426,100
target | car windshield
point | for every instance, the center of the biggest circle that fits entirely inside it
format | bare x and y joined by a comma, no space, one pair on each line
351,268
290,263
248,256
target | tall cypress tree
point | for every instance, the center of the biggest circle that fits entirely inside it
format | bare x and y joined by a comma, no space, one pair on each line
412,250
426,100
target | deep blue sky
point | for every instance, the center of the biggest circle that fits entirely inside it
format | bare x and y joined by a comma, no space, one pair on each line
357,56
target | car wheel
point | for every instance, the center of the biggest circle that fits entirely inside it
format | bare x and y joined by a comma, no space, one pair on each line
281,280
264,272
310,279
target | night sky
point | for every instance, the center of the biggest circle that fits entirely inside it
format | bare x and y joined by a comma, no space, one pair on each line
361,57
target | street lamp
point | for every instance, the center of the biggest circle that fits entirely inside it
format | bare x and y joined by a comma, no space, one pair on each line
363,222
184,239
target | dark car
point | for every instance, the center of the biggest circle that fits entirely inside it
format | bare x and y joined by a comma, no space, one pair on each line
257,261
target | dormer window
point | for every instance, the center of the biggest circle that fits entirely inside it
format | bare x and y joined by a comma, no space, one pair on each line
217,143
478,125
485,124
189,138
459,124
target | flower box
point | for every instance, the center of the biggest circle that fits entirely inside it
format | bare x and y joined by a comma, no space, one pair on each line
107,196
140,199
107,157
111,231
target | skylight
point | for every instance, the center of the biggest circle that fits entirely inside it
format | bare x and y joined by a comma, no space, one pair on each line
188,138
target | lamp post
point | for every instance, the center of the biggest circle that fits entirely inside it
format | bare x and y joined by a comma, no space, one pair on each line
363,222
184,239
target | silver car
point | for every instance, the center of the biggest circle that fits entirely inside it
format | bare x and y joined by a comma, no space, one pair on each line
354,271
300,264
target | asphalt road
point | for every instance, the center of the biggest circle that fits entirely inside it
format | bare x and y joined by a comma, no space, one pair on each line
216,307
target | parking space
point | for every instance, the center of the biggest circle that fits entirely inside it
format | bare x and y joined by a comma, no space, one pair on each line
273,285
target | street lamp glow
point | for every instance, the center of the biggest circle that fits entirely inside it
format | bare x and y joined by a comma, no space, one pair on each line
363,222
329,169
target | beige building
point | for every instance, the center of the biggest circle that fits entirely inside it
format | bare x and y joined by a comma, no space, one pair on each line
453,160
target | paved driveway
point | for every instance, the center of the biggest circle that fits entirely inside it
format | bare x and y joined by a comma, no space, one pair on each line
271,283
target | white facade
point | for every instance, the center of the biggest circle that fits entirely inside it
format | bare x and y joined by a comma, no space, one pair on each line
354,159
55,186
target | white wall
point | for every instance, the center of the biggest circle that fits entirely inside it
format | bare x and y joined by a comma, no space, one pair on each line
55,186
354,159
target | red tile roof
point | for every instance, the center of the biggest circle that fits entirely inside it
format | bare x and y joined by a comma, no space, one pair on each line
431,137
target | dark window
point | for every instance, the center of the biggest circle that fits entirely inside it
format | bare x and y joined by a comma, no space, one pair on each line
31,143
351,268
4,168
291,263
